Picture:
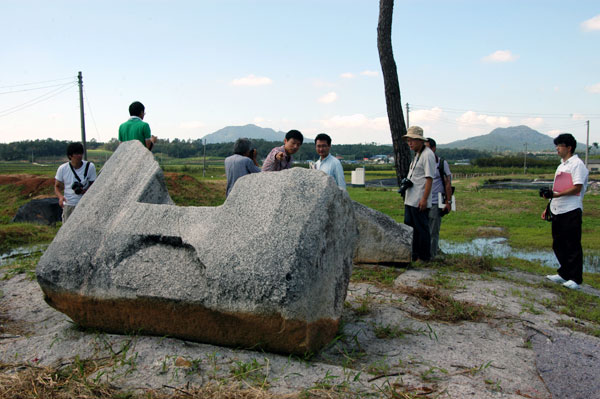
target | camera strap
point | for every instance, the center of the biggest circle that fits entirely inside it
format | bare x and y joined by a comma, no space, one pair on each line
413,165
85,171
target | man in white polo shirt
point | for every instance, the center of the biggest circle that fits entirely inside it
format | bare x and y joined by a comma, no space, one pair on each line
570,183
327,162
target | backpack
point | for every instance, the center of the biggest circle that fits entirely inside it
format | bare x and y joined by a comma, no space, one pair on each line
443,177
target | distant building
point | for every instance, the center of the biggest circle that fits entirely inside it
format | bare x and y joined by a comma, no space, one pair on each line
594,165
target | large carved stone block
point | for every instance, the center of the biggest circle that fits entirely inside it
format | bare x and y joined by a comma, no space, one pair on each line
268,269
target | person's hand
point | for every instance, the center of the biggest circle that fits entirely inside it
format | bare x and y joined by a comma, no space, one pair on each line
423,204
61,201
280,156
544,214
448,208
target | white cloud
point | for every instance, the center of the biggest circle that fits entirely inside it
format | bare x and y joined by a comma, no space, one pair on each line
578,117
258,119
591,24
593,88
347,75
356,121
251,80
356,128
425,115
369,73
328,98
500,56
472,119
554,132
191,125
321,83
532,122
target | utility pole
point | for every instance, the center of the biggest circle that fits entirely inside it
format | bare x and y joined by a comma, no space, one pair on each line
525,161
407,111
204,165
80,78
587,143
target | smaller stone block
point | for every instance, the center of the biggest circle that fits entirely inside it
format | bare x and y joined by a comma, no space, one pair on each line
380,238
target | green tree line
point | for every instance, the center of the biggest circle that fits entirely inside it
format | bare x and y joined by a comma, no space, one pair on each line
176,148
514,161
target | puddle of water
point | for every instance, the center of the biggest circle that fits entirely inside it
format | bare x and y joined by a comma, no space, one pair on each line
21,252
498,247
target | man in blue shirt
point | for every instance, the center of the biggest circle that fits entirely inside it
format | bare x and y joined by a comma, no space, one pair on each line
328,163
241,163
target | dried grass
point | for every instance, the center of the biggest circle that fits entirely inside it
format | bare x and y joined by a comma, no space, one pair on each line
443,307
27,381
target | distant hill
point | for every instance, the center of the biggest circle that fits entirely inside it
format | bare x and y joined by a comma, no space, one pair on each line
231,133
506,139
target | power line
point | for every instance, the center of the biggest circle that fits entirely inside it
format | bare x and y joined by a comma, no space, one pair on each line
35,83
37,100
34,88
87,100
498,113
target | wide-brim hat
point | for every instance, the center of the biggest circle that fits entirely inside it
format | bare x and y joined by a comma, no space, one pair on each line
415,132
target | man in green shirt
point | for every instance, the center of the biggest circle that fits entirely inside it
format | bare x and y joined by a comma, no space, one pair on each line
135,128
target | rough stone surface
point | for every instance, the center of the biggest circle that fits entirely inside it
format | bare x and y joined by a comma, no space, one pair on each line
42,211
380,238
568,365
268,269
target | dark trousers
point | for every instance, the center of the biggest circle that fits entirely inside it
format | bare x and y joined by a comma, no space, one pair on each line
419,221
566,243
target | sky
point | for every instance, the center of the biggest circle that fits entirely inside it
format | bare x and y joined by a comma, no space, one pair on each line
465,67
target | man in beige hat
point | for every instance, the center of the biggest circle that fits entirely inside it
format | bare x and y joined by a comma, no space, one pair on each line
417,198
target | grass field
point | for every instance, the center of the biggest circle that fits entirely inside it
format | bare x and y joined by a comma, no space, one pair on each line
514,214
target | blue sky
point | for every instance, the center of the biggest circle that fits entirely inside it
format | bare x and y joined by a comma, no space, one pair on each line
465,67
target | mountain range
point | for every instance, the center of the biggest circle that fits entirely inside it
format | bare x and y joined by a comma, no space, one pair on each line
504,139
230,134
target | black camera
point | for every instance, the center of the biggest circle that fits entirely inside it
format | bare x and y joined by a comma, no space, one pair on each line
546,192
77,187
405,184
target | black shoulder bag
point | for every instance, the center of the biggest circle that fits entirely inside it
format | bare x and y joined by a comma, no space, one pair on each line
442,170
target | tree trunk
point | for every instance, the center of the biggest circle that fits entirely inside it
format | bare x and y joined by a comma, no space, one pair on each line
402,154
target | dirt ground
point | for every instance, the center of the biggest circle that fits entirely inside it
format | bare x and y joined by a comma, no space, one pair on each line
390,345
29,185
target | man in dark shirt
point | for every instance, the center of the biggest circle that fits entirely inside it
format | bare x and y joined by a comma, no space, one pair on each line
280,158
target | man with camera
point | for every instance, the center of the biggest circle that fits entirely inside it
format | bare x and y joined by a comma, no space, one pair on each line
416,190
73,178
565,210
441,187
241,163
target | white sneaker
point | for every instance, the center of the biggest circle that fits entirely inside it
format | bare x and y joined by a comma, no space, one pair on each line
572,285
556,278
